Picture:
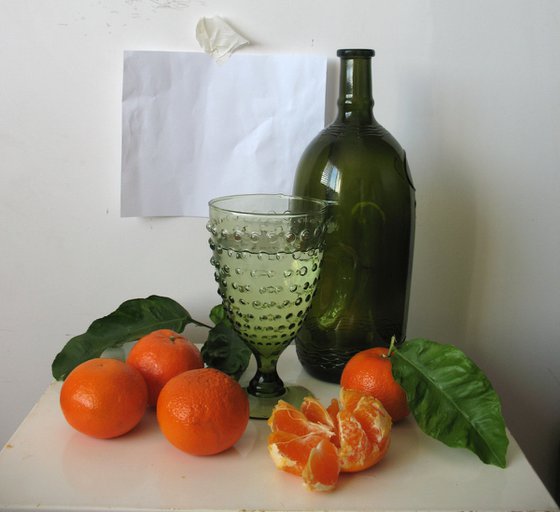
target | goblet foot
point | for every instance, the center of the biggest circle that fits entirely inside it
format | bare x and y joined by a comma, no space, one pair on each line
260,407
266,387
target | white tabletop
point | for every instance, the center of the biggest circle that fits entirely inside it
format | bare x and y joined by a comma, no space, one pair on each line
47,465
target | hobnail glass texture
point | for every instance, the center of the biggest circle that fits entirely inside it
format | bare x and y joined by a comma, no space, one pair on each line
266,251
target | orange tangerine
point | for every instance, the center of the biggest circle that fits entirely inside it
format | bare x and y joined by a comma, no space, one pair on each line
104,398
202,411
160,356
370,371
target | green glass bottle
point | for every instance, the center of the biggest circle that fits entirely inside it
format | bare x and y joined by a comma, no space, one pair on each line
362,297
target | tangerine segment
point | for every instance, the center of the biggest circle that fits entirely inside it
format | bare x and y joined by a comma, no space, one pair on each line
322,468
333,409
376,422
315,412
287,418
290,452
355,447
364,431
349,398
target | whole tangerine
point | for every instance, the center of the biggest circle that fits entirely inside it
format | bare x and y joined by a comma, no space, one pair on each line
369,371
161,355
104,398
203,411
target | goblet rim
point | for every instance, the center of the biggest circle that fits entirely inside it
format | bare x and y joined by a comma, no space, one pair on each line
321,205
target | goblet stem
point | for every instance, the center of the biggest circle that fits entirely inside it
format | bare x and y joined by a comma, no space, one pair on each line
266,387
266,383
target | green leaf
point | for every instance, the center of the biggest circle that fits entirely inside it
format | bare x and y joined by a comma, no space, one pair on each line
224,349
451,398
129,322
217,314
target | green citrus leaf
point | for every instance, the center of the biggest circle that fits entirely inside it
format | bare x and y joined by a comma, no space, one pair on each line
451,398
129,322
217,314
224,349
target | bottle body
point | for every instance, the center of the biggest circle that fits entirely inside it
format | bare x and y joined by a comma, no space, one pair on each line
361,299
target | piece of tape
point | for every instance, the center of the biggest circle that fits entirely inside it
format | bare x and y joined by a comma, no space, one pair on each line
217,38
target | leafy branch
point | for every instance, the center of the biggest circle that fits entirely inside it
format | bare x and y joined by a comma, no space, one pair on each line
135,318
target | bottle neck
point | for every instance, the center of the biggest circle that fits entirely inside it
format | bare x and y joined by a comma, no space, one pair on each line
355,100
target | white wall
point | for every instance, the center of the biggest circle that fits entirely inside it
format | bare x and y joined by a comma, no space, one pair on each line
470,88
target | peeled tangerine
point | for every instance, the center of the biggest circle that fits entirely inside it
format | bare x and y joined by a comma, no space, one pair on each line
317,443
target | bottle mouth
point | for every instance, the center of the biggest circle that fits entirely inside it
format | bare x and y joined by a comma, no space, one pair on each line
353,53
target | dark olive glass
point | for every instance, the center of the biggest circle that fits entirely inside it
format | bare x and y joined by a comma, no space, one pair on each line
356,165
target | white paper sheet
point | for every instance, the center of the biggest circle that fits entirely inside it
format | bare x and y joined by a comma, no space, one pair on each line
194,129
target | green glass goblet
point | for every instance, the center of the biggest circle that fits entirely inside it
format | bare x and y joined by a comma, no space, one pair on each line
267,251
